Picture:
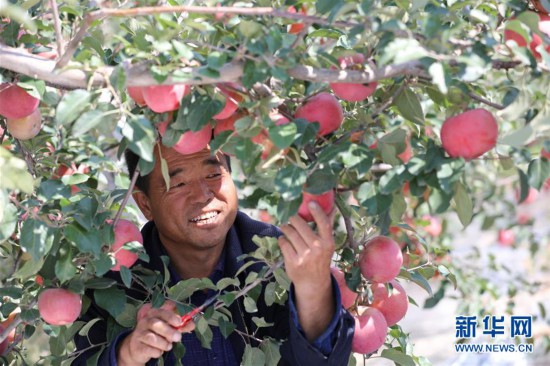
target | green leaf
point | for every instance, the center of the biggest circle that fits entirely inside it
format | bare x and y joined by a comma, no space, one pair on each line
184,289
225,282
86,328
14,173
321,181
141,137
421,281
408,105
72,105
37,238
30,268
64,268
463,204
519,137
86,241
538,171
270,348
8,218
270,293
196,111
226,327
523,186
203,332
289,182
111,299
253,356
260,322
283,136
126,276
127,318
398,357
250,305
87,121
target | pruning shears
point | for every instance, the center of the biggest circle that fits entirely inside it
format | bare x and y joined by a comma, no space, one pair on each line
195,313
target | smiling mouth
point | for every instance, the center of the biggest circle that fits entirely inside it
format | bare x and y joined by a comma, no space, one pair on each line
205,218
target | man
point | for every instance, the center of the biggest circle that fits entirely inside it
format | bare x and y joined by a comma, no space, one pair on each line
196,223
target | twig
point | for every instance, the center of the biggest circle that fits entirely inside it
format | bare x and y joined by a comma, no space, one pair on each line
57,27
127,196
390,100
350,231
26,154
485,101
253,284
264,11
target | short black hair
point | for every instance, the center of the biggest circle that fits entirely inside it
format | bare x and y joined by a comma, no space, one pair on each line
142,182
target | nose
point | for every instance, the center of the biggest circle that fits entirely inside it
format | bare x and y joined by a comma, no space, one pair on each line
201,192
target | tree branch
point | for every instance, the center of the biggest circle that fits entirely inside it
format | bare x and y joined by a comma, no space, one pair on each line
127,196
20,61
57,27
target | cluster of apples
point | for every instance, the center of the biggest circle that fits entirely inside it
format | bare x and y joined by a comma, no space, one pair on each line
542,12
380,263
58,306
23,118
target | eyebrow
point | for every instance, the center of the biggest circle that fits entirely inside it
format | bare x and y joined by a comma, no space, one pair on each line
211,161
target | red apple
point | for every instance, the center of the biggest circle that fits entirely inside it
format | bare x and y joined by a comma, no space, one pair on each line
295,28
536,40
125,232
406,155
190,142
393,305
506,237
434,226
353,92
5,343
545,153
325,200
27,127
232,100
469,134
381,259
165,98
136,93
348,296
58,306
370,331
15,102
325,109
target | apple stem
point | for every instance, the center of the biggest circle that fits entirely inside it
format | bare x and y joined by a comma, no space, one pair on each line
127,196
57,27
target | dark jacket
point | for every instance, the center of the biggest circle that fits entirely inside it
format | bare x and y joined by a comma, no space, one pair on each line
295,351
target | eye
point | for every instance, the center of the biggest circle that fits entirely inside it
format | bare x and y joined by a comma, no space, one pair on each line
178,185
215,175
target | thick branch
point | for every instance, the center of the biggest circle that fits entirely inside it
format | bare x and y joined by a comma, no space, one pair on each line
138,75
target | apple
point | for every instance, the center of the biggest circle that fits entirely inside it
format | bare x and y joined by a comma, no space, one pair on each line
136,93
406,154
434,226
165,98
323,108
325,200
232,100
538,5
536,40
25,128
348,296
353,92
506,237
15,102
58,306
370,331
381,259
190,142
469,134
295,28
125,232
5,343
393,305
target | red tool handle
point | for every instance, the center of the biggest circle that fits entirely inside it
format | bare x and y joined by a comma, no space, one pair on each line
188,317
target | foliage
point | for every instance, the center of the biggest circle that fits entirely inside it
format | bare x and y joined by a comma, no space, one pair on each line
432,60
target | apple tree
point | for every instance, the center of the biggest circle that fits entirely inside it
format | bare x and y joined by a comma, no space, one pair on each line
410,119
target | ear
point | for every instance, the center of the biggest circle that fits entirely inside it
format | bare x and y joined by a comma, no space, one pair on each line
144,204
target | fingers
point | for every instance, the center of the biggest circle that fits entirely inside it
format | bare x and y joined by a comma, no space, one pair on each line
294,238
324,224
289,253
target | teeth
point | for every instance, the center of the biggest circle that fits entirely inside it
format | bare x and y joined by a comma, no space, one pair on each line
205,216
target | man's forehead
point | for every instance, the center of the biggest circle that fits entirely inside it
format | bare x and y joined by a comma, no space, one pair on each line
181,162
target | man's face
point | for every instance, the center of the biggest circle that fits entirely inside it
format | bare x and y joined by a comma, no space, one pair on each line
201,204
